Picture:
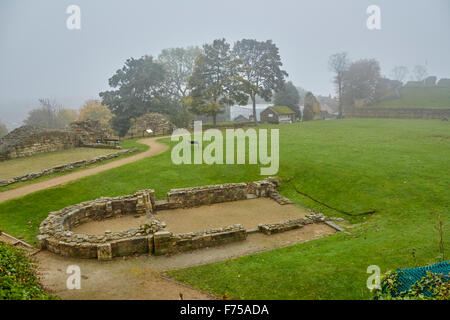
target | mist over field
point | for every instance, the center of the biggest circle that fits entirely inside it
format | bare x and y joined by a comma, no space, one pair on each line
41,58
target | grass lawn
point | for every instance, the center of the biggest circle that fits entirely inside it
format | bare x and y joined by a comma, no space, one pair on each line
16,167
398,167
419,97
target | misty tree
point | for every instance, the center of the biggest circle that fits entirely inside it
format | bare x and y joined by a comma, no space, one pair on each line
50,115
95,110
213,83
140,88
260,70
339,64
3,130
288,96
399,73
179,66
419,72
360,82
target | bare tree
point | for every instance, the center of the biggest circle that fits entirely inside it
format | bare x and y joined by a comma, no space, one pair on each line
399,73
419,72
3,130
339,63
50,115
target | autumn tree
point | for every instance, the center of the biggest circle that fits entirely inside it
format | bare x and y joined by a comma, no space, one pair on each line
339,64
260,69
95,110
214,82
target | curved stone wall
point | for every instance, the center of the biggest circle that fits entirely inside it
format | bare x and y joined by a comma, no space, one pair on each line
151,237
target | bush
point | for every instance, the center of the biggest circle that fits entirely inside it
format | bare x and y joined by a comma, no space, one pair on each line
433,286
18,280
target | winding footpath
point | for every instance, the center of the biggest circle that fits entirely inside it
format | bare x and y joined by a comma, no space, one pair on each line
155,149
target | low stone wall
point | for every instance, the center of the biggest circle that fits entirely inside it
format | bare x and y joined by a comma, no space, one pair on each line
402,113
283,226
200,196
64,168
168,243
151,237
56,235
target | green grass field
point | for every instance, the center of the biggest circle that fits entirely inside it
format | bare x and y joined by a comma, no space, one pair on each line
419,97
398,167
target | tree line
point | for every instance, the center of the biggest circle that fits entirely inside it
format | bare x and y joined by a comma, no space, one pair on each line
202,81
360,83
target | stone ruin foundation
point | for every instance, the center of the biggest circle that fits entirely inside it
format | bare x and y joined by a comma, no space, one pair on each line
27,140
151,237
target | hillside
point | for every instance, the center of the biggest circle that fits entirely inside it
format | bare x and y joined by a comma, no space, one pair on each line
434,97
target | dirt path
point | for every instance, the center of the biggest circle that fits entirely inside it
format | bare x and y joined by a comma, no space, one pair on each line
140,277
155,149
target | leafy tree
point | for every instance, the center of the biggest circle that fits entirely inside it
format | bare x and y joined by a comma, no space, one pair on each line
288,96
339,64
140,88
260,72
51,115
399,73
213,83
95,110
179,65
3,130
360,82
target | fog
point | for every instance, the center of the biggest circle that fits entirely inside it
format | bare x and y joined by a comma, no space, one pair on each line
41,58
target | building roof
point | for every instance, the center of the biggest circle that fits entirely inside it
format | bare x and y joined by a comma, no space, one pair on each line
282,110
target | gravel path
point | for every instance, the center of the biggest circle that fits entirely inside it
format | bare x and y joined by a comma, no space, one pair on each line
140,277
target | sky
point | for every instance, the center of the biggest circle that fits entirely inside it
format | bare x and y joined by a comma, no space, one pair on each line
41,58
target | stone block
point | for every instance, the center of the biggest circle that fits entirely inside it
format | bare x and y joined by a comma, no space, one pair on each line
104,252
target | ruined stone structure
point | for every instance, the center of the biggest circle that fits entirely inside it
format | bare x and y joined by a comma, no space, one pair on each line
89,132
151,237
26,141
29,140
156,122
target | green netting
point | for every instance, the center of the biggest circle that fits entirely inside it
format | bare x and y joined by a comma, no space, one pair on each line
409,276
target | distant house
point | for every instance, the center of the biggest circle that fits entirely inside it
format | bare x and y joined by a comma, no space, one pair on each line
240,118
278,115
